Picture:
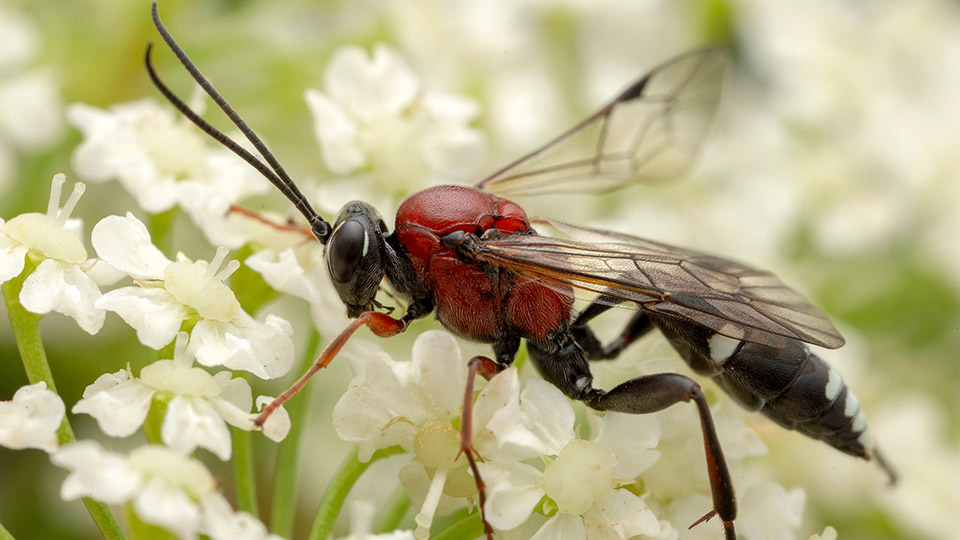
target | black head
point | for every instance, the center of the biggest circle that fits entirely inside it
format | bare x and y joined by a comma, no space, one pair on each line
356,256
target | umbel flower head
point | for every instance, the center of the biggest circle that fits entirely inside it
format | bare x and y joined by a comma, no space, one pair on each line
163,162
57,260
170,293
375,116
200,405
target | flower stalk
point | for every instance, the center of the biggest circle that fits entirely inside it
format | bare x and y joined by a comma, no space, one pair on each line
339,487
26,330
286,469
393,511
245,471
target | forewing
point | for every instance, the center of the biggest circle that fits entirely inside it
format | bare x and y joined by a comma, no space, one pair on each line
728,297
648,133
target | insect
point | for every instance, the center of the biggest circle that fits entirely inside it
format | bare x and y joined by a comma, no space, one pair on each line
475,260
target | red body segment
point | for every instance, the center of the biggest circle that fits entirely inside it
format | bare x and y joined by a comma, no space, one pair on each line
474,302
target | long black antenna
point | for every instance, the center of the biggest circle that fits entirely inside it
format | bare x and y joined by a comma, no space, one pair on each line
274,173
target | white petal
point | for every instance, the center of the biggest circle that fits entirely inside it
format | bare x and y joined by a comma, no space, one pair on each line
513,491
169,508
191,422
12,257
770,511
439,373
619,516
281,271
222,523
336,133
264,349
548,413
630,438
737,438
124,243
94,472
368,87
102,273
234,390
32,112
64,288
154,313
497,409
361,418
31,419
209,208
278,424
119,404
561,527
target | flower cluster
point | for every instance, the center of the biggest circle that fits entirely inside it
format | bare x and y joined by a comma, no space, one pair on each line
165,487
44,267
534,464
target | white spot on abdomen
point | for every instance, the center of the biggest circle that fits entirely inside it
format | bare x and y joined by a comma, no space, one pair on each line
852,406
721,347
834,385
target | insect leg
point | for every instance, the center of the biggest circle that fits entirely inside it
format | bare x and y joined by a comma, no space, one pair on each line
563,363
289,226
636,327
380,324
487,368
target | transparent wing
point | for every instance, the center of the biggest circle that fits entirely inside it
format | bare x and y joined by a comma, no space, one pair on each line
648,133
728,297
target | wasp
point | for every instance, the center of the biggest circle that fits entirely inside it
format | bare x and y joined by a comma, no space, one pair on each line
473,258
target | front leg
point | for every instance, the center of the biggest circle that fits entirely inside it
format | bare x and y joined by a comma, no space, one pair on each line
380,324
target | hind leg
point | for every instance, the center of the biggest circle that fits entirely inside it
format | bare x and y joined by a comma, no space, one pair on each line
563,363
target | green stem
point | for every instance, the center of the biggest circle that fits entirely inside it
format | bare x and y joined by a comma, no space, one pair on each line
160,226
26,329
283,508
244,470
343,479
392,512
469,526
153,425
5,534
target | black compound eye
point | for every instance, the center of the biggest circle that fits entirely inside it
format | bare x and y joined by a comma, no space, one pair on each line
346,248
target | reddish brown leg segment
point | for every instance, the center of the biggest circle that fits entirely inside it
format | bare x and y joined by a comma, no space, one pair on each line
234,209
487,368
380,324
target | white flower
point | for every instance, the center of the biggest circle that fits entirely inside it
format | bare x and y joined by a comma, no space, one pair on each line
31,419
164,162
52,244
222,523
165,487
374,115
163,484
173,292
771,512
581,481
416,404
200,404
